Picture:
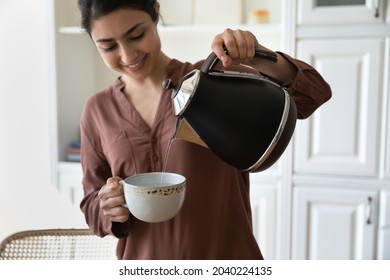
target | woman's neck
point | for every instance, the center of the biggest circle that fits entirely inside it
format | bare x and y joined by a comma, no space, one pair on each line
151,83
144,95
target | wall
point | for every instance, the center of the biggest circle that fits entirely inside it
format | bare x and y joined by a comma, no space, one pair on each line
28,200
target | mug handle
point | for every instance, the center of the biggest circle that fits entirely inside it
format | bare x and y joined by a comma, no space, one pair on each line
122,183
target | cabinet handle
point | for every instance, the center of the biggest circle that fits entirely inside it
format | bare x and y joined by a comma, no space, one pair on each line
369,214
377,7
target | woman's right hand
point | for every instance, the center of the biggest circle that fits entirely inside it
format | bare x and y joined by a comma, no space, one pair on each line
111,200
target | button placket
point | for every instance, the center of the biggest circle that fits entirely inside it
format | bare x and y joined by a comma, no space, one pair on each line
154,156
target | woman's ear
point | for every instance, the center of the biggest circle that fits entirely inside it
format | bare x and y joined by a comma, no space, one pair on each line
157,11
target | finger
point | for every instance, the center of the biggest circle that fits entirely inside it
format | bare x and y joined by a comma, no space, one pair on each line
112,201
106,192
113,182
246,44
120,219
116,211
230,43
240,45
234,46
251,43
225,47
117,214
218,47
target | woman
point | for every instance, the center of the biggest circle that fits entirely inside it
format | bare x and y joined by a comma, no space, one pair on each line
126,128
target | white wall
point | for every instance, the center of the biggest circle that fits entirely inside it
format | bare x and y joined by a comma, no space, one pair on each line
28,200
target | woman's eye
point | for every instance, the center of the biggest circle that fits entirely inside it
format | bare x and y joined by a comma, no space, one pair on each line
109,49
137,37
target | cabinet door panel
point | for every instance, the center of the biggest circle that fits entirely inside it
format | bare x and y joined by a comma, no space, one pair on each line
386,172
70,185
386,115
342,136
334,224
384,227
336,12
263,202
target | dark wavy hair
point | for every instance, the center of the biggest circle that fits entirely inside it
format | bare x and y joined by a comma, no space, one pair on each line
93,9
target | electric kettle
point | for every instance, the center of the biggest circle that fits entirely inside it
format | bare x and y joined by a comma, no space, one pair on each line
246,119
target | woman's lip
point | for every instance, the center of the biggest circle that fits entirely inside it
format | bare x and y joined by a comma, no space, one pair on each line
138,65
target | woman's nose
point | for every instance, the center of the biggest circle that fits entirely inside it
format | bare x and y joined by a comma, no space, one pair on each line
127,54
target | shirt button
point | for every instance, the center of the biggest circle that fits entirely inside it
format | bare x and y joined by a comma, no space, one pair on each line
153,140
155,158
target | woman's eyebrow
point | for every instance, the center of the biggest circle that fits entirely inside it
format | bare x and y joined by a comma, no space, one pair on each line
128,32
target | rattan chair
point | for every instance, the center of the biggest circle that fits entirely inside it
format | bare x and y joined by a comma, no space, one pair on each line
57,244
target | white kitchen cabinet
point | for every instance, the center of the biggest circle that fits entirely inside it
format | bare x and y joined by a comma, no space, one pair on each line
384,227
341,12
342,137
341,158
334,223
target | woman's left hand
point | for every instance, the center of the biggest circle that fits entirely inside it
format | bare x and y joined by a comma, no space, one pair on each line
234,46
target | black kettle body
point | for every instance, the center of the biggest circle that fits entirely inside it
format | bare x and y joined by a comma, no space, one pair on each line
245,119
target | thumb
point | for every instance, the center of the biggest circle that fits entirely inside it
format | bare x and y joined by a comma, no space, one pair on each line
113,182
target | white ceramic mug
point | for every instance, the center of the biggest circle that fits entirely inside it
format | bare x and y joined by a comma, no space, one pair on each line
154,197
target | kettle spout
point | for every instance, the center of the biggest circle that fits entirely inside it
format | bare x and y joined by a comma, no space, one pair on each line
184,131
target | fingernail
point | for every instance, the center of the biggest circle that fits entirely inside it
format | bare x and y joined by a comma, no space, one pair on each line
224,58
113,186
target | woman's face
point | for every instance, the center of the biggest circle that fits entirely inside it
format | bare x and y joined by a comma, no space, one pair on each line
128,42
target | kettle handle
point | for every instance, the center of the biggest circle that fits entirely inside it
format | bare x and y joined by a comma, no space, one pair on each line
212,59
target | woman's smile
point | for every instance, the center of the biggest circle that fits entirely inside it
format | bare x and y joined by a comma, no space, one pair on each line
138,65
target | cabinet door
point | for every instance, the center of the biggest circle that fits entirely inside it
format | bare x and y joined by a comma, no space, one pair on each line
384,227
70,185
264,201
386,120
334,224
340,11
342,137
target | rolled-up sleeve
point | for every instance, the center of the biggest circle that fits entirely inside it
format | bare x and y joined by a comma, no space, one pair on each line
308,89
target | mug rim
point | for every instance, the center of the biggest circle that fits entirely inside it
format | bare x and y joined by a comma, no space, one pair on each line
181,180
